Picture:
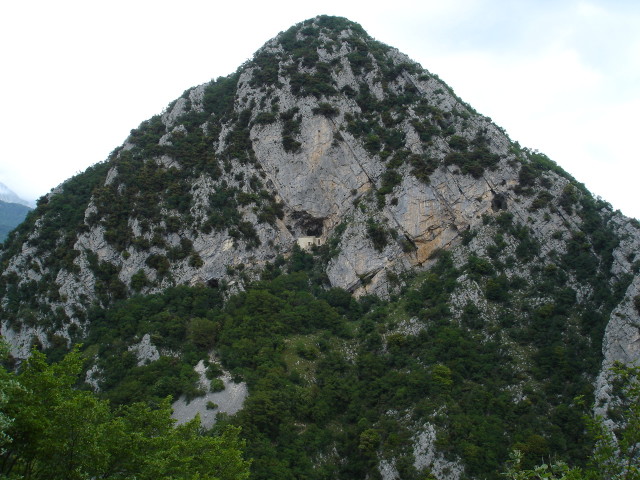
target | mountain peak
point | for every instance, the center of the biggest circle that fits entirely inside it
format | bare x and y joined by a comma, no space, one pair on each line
8,196
318,29
339,160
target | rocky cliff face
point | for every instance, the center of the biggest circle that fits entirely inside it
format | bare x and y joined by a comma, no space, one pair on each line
328,133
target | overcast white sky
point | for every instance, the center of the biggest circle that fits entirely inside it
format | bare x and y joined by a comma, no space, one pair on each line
560,76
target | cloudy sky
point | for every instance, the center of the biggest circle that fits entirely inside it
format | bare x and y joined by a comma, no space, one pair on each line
560,76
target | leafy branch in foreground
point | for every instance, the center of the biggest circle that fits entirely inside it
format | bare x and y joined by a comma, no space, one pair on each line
51,430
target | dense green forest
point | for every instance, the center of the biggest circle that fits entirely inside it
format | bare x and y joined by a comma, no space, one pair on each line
50,429
334,378
329,377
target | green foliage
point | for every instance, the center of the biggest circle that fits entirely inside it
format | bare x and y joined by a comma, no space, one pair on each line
265,118
318,84
615,452
109,287
527,176
393,139
555,471
181,319
181,251
497,289
568,198
287,338
223,209
195,260
527,247
426,130
532,171
326,109
390,178
147,135
300,260
238,140
372,143
267,69
139,280
423,167
218,95
541,162
468,235
217,385
246,231
290,128
202,332
60,217
301,50
542,200
338,24
159,263
431,299
458,143
290,144
257,320
58,432
368,103
378,234
479,266
473,162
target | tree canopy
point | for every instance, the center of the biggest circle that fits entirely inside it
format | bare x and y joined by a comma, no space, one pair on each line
616,451
51,430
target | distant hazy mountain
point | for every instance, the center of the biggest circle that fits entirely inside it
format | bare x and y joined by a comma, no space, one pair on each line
8,196
11,215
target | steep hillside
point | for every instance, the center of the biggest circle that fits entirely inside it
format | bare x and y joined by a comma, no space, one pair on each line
461,291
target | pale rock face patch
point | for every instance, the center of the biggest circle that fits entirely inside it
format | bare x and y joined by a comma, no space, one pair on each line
92,377
621,343
145,351
429,459
426,459
229,401
20,342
